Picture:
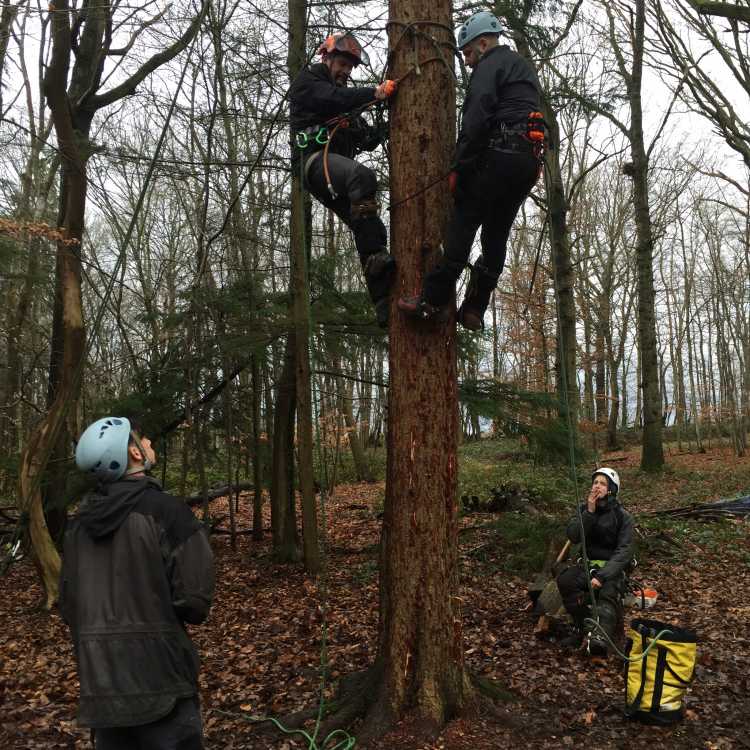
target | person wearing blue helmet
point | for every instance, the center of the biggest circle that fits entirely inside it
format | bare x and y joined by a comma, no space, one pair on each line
137,566
495,166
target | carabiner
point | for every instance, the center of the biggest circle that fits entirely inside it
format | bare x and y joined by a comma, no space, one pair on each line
322,137
302,139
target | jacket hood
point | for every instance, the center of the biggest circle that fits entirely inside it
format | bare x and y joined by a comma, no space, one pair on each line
105,510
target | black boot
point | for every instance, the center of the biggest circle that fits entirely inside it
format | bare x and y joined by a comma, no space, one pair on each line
602,637
417,307
579,613
378,265
574,640
481,285
379,269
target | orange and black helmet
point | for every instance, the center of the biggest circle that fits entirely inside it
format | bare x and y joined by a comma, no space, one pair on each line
343,43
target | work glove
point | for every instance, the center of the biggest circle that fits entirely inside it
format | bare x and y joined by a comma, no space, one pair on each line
385,90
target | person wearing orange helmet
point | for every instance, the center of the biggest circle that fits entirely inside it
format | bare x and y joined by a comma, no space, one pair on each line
319,94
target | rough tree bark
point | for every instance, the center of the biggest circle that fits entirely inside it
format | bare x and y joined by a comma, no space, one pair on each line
420,655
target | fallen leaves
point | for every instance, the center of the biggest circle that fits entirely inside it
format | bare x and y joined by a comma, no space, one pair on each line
261,649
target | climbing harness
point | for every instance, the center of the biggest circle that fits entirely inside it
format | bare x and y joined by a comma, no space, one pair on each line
317,133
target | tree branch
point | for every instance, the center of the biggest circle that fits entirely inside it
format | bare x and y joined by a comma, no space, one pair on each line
725,10
128,87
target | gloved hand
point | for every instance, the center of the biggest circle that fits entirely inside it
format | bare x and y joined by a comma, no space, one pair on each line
452,182
385,90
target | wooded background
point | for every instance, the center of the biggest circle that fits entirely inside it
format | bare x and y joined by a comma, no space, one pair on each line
147,246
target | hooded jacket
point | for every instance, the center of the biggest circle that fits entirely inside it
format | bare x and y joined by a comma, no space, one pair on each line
609,536
503,89
314,98
137,565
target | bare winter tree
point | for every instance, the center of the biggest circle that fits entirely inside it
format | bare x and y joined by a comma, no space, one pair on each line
74,97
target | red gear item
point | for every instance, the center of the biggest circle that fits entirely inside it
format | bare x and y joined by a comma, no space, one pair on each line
452,182
386,89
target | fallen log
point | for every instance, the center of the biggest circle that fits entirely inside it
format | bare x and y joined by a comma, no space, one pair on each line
218,492
737,508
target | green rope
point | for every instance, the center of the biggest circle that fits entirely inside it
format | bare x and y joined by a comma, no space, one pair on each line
592,622
632,659
571,444
347,742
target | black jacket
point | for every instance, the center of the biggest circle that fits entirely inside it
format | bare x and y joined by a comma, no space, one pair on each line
609,536
314,99
137,565
503,88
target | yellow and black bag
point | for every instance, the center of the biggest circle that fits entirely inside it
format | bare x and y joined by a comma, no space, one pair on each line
655,686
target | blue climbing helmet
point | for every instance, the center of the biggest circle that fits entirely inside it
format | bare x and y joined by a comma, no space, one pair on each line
102,450
480,23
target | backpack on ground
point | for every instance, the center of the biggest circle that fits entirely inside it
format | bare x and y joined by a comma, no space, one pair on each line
655,685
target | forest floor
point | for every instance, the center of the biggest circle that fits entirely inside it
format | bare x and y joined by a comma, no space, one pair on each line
261,646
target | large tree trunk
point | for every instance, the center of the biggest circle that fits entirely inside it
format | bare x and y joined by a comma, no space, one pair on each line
420,652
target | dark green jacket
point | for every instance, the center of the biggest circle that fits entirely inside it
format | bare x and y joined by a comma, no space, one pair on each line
137,565
609,536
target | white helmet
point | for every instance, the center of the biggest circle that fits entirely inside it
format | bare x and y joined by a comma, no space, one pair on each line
612,476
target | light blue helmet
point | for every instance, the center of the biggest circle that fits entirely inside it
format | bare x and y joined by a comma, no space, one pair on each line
480,23
103,448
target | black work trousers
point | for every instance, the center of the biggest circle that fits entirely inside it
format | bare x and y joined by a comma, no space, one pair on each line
489,196
574,590
181,729
354,184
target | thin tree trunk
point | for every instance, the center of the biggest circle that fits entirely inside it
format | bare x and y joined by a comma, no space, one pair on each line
300,245
283,510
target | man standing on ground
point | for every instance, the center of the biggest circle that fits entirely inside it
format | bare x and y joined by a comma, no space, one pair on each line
496,165
317,95
137,565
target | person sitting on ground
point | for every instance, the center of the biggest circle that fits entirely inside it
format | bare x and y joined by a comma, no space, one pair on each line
137,566
495,166
608,530
318,94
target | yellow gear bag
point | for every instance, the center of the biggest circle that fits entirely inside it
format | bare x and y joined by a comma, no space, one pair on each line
655,685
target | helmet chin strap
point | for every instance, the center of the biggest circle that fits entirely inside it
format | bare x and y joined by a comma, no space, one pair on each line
146,462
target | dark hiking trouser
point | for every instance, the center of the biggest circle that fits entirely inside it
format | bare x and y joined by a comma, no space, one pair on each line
574,590
180,729
355,186
489,196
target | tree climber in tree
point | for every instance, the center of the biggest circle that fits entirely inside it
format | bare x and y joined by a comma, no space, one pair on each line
495,166
609,548
137,566
317,96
